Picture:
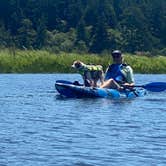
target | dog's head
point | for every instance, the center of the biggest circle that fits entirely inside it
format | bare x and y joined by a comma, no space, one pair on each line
77,64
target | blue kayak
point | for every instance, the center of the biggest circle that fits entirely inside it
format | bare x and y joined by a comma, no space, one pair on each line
70,90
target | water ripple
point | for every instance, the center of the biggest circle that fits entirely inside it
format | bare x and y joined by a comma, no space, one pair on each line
38,127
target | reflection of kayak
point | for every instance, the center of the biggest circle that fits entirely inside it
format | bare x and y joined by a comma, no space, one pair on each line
68,89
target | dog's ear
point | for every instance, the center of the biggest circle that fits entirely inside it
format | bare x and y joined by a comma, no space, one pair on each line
73,65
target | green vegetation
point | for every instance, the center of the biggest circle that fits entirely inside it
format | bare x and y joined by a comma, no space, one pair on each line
84,26
45,62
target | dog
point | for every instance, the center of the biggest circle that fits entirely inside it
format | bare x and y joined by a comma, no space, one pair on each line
91,74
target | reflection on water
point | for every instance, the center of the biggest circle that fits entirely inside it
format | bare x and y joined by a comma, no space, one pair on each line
38,127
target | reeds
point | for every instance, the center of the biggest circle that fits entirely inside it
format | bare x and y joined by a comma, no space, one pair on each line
39,61
149,65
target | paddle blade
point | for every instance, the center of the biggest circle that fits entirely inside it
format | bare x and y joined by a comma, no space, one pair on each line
155,86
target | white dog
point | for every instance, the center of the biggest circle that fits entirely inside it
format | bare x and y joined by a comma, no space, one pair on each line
91,73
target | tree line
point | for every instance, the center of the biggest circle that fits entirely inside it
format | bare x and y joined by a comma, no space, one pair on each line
93,26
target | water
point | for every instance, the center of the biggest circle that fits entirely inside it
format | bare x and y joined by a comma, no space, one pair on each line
38,128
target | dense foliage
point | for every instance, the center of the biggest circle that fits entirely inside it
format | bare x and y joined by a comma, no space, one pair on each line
84,25
31,61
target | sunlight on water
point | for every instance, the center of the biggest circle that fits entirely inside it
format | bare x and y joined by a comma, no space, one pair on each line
38,127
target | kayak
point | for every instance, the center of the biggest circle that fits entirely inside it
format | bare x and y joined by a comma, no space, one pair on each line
72,90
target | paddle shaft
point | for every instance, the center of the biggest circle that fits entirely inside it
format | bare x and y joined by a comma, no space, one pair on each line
153,87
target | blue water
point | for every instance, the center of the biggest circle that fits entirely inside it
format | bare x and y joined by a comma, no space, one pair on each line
39,128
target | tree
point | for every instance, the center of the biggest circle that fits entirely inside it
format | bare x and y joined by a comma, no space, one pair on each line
26,34
4,36
99,33
41,32
134,30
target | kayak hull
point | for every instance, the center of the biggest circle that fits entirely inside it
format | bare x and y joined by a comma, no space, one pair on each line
68,89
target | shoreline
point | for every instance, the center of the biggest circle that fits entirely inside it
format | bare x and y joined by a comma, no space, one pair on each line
40,61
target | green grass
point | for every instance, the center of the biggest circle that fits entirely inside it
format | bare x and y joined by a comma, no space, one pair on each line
39,61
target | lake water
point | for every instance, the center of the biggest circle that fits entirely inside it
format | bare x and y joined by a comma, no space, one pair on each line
39,128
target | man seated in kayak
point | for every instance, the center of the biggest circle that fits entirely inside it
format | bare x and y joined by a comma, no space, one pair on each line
90,73
118,74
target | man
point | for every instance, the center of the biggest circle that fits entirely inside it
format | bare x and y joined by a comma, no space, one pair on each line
118,74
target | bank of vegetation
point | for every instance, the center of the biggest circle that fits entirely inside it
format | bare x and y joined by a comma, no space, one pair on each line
31,61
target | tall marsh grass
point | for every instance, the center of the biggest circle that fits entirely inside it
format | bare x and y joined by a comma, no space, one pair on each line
30,61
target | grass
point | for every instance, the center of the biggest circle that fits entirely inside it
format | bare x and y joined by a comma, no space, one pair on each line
39,61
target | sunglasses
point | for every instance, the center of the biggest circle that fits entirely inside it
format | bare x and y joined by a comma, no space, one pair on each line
116,55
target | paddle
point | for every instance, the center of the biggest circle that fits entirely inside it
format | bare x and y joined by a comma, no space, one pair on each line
153,87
